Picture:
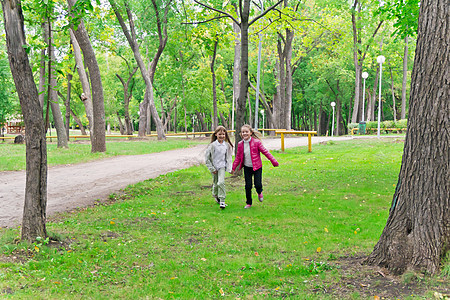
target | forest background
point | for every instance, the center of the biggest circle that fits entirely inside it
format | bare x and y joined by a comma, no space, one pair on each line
312,53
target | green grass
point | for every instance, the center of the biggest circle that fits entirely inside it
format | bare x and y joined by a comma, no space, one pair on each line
166,238
13,155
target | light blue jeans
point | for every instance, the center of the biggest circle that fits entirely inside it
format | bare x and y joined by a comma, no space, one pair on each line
218,188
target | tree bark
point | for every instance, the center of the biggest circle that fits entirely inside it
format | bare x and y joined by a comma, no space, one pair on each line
236,71
358,57
62,140
86,96
34,213
126,100
394,110
213,75
78,121
98,139
405,79
67,103
244,9
148,98
417,233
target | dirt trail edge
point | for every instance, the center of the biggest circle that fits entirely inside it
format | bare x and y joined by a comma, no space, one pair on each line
72,186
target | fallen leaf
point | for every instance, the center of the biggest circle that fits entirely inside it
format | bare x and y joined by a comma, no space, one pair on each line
326,229
277,288
204,259
222,293
112,222
256,254
319,249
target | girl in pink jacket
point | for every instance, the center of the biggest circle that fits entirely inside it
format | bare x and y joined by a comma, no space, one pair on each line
248,156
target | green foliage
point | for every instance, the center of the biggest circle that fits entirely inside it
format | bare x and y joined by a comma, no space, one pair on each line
404,13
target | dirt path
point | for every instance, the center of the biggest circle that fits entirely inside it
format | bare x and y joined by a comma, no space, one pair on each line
79,185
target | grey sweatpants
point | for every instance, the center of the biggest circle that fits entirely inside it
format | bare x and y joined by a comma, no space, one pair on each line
218,188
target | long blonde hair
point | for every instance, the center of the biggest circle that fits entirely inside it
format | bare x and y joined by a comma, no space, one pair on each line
221,128
253,132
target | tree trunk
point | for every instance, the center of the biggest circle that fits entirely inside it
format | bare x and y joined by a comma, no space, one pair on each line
148,98
394,111
121,127
243,89
288,84
405,79
236,70
67,103
372,98
53,94
98,139
42,82
126,100
86,97
34,213
417,233
78,121
213,74
358,57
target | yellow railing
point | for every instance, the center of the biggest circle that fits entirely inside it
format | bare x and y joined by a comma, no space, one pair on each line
284,131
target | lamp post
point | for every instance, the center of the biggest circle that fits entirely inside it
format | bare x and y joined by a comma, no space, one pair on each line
333,104
364,76
380,60
262,113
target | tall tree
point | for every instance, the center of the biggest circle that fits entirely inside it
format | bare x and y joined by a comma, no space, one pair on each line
359,53
149,97
98,139
34,213
244,24
81,70
417,233
52,95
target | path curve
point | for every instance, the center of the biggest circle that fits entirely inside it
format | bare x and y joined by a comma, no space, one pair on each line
80,185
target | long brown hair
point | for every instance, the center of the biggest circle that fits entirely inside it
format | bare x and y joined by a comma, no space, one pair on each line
221,128
253,132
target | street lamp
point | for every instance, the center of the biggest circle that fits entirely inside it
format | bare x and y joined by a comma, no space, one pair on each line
364,76
380,60
333,104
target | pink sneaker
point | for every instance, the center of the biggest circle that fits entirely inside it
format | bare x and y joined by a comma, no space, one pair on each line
248,206
260,197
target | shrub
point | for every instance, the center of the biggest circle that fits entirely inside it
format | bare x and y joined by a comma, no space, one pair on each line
401,123
350,126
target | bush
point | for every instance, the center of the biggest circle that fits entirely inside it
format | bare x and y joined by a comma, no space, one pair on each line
350,126
387,124
371,124
401,123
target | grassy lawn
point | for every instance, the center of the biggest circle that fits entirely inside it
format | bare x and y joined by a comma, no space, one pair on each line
13,155
166,238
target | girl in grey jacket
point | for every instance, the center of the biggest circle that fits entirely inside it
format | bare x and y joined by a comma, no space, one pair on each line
218,161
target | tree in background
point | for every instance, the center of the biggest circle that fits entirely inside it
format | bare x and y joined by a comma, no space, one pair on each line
417,233
34,213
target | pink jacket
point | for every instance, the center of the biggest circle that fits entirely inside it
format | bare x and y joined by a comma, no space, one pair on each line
256,147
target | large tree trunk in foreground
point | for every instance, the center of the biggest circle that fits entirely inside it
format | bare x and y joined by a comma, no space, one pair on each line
417,233
34,213
98,139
